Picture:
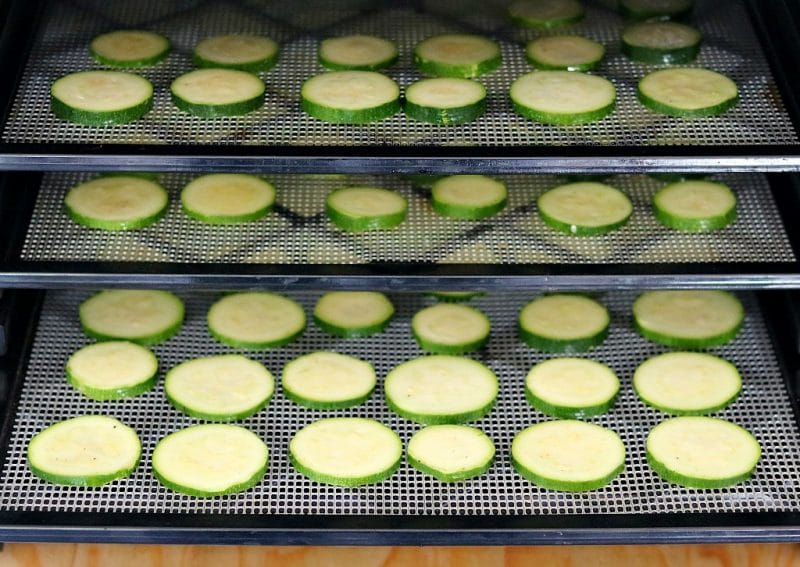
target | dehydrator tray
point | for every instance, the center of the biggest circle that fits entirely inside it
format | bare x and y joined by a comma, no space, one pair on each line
758,133
501,505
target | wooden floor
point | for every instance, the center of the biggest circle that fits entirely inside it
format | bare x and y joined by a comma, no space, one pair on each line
68,555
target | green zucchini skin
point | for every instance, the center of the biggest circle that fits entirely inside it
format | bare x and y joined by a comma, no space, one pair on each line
219,110
567,412
547,344
352,332
110,118
715,110
565,485
442,419
445,116
346,482
341,116
689,343
563,119
260,66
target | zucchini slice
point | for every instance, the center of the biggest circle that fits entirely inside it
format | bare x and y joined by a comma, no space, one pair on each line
441,389
584,208
468,196
695,206
346,451
123,202
353,313
565,53
226,387
563,97
357,53
571,388
568,455
129,48
450,328
457,55
546,13
563,322
445,100
455,296
691,319
101,98
687,383
656,9
350,97
213,459
328,380
702,452
226,198
251,53
90,450
451,453
688,92
256,320
112,370
356,209
146,317
661,43
214,93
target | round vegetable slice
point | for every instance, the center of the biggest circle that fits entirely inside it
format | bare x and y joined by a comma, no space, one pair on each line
350,97
655,9
568,455
702,452
251,53
123,202
695,206
357,53
661,42
146,317
563,97
256,320
455,296
584,208
563,323
225,198
112,370
346,451
445,100
441,389
101,98
546,13
457,55
688,92
210,460
328,380
468,196
226,387
565,53
214,93
129,48
451,453
353,313
450,328
693,319
90,450
571,388
357,209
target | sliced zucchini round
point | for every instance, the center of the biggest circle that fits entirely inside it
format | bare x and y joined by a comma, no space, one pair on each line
687,383
226,198
655,9
688,92
571,388
695,206
346,451
353,313
568,455
226,387
565,53
251,53
112,370
692,319
563,322
256,320
90,450
101,98
146,317
563,97
445,100
356,209
546,13
129,48
455,296
328,380
213,93
123,202
213,459
702,452
457,55
468,196
584,208
357,53
350,97
441,389
450,328
451,453
661,42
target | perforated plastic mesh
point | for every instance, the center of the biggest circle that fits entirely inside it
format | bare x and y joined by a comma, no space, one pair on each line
298,231
731,47
763,408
